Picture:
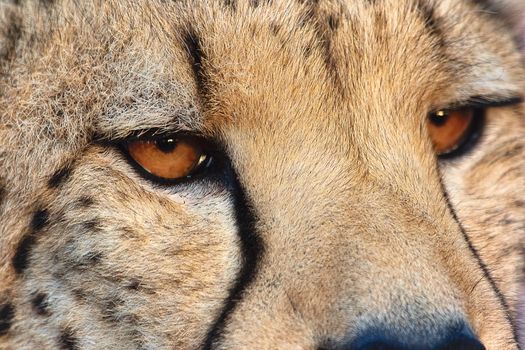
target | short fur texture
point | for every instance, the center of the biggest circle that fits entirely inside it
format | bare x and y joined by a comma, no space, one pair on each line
331,215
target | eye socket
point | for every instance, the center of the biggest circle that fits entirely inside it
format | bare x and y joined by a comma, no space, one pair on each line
452,131
169,158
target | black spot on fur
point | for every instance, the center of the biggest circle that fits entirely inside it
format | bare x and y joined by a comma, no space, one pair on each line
133,285
323,27
129,232
3,192
7,313
22,253
94,257
194,48
82,262
40,219
275,28
79,294
111,309
91,225
333,22
231,4
40,304
20,259
330,60
85,202
60,176
257,3
307,51
67,340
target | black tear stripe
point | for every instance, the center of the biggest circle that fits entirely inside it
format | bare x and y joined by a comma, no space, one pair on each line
196,55
482,266
7,313
20,259
252,250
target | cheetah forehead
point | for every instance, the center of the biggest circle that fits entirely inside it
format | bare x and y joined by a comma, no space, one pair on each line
131,66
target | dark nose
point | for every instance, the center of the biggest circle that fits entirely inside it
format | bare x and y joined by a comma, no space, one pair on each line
463,339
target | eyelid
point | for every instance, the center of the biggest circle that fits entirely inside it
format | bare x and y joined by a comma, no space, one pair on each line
482,102
152,134
210,145
159,134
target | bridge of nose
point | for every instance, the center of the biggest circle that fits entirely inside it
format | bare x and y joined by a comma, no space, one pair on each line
345,237
340,258
323,275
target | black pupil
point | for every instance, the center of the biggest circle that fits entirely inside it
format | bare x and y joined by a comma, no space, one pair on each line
166,145
439,119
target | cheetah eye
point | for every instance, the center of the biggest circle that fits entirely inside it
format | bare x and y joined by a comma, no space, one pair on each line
169,158
452,131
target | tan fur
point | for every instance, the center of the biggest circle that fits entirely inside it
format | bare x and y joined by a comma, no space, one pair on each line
321,107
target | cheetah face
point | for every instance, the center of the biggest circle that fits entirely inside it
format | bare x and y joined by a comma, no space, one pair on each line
261,174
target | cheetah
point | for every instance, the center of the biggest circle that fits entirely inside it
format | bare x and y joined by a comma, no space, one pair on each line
261,174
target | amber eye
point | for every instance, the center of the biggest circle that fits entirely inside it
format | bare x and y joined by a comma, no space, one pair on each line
168,158
450,130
